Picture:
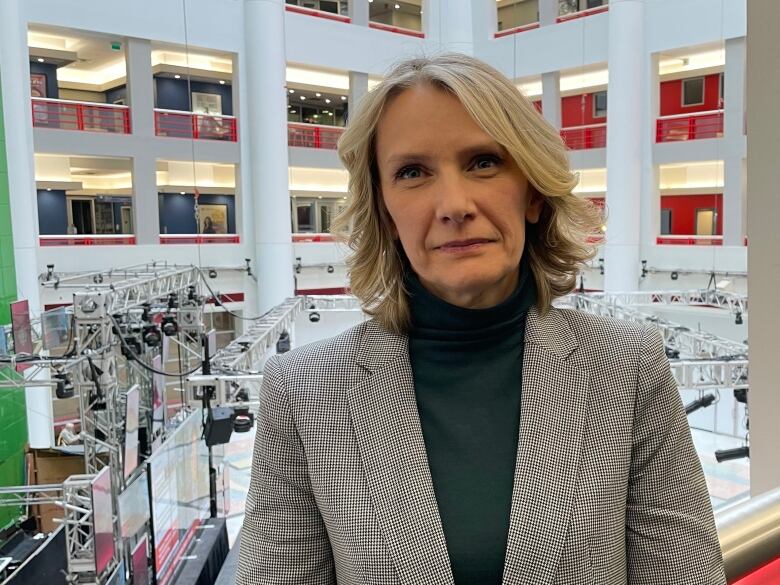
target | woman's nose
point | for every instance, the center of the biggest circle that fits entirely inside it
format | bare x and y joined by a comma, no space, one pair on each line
454,201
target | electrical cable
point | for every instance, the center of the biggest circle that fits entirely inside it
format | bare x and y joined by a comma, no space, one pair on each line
218,303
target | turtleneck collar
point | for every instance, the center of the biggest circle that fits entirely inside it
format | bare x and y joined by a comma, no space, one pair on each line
436,319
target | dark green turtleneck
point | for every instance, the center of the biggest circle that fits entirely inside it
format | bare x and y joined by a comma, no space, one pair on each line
467,366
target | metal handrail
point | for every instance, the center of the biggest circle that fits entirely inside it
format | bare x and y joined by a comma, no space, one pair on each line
749,534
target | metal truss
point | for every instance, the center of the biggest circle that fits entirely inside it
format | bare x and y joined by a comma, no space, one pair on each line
326,303
733,302
30,495
243,354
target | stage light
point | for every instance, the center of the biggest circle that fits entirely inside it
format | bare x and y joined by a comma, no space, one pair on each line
49,271
212,273
283,343
738,318
314,317
331,269
674,275
64,387
152,336
169,326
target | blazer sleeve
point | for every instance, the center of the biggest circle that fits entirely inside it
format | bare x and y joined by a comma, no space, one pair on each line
283,539
670,529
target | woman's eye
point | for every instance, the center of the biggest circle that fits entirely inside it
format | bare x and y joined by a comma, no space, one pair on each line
408,173
486,162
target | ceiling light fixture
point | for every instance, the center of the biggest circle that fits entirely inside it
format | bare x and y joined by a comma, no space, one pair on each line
318,94
222,82
327,101
343,98
182,193
177,76
397,6
303,97
291,90
293,111
41,59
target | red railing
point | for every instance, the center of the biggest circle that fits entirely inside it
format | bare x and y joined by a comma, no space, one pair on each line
707,124
200,239
308,238
82,116
584,137
313,135
515,30
317,13
87,240
582,13
397,29
689,240
176,124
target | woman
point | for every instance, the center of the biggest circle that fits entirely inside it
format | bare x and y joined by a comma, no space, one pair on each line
470,433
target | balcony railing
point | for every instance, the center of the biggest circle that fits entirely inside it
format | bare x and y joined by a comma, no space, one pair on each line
707,124
690,240
178,124
200,239
81,116
517,29
317,13
87,240
397,29
582,13
313,135
585,137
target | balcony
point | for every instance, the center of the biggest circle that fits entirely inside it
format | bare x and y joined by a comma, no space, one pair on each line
200,239
397,30
87,240
585,137
313,136
558,20
689,240
177,124
80,116
317,13
696,126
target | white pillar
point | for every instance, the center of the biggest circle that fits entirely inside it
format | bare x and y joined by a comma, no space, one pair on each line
449,25
734,171
140,97
763,83
14,62
551,97
267,113
624,145
358,87
358,12
650,200
548,12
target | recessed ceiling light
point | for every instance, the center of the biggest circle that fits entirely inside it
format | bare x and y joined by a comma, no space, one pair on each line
343,98
303,97
319,196
48,189
318,94
182,193
327,101
293,111
325,112
41,59
397,6
291,90
222,82
177,76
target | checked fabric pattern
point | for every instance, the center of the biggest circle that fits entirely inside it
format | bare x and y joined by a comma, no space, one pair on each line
608,488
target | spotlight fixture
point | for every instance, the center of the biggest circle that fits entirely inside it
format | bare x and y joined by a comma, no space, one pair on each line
303,98
248,266
131,347
330,269
212,273
169,326
397,6
291,90
283,343
318,94
674,275
41,60
738,318
314,317
243,420
343,98
49,271
327,101
644,268
152,336
672,353
64,387
182,193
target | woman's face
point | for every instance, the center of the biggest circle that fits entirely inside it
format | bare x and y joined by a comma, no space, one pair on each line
457,200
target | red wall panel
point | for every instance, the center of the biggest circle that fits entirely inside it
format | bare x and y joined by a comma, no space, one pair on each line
671,97
577,110
684,211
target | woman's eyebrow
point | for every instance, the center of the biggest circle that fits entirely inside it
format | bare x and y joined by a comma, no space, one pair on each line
464,153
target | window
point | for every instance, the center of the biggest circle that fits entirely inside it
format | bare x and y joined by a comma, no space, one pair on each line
594,3
721,90
666,222
600,104
693,91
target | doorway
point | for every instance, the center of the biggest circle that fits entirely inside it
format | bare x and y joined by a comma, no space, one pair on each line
81,215
706,221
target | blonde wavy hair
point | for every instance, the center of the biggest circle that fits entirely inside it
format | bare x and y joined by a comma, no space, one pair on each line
556,247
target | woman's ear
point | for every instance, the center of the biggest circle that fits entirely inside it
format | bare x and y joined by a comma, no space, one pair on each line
535,205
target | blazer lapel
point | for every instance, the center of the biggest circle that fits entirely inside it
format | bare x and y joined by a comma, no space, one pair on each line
389,435
552,418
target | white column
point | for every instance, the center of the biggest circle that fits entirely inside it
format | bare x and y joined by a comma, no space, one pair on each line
358,87
548,12
267,112
650,201
358,12
734,171
449,25
624,144
14,63
551,97
763,82
140,98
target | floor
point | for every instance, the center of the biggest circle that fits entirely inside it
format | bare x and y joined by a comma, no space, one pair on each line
726,481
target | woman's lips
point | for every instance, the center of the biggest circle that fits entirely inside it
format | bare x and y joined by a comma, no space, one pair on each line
469,245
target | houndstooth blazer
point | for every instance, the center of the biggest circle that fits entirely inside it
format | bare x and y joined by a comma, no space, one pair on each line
608,488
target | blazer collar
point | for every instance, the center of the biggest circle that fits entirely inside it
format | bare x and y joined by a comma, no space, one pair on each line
387,426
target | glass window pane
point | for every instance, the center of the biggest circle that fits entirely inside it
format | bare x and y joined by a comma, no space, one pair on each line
693,91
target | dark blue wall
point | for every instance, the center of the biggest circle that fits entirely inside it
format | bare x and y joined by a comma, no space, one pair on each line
173,94
177,212
117,93
52,212
50,71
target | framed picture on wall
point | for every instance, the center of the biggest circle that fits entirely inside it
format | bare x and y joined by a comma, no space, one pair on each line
207,103
213,218
38,85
